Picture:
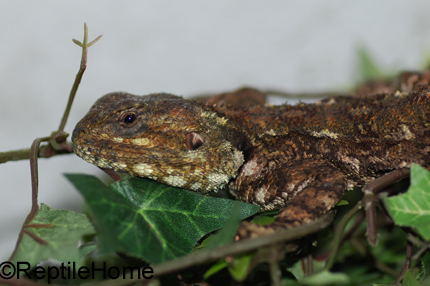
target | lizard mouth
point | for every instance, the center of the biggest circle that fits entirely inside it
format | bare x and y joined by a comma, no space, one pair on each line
88,154
181,175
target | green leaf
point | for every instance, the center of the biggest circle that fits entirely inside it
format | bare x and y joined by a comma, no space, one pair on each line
367,66
263,220
325,278
321,277
412,209
227,233
425,267
221,264
342,203
409,279
297,269
87,248
148,220
239,268
389,250
68,228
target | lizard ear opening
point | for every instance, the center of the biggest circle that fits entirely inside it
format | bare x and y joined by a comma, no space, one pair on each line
193,141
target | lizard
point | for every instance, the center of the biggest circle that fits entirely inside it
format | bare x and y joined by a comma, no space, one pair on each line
299,159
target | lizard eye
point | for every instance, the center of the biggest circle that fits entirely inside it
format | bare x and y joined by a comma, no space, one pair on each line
193,141
129,118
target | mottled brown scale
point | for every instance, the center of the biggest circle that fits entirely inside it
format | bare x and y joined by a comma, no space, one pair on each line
300,158
405,83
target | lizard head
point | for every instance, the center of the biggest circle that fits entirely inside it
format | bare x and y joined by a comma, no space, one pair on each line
163,137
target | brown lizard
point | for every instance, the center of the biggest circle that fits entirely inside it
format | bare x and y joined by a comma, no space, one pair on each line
300,158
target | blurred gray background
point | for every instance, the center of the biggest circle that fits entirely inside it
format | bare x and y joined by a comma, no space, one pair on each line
183,47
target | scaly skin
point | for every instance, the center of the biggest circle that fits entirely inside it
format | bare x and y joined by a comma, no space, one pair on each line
300,159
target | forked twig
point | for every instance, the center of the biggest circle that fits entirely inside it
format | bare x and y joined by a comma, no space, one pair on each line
85,45
369,192
58,142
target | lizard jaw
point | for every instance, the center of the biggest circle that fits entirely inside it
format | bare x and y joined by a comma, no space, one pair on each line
181,176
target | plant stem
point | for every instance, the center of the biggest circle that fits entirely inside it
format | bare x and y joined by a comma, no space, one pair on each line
339,234
406,266
85,45
57,141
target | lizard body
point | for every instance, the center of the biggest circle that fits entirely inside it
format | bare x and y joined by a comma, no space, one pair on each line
300,158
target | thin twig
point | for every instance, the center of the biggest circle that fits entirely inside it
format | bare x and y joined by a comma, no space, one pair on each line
385,268
309,268
34,150
386,180
372,231
353,228
85,45
275,273
57,141
339,233
34,170
45,151
57,144
34,237
406,266
424,246
306,263
369,193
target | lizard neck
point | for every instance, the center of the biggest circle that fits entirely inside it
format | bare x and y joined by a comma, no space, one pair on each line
261,120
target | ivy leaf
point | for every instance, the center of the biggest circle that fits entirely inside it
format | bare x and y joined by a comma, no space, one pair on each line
218,266
240,266
62,238
325,277
226,234
409,279
148,220
412,209
368,69
321,277
88,248
425,267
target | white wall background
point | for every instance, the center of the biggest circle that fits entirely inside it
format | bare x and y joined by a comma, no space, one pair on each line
184,47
